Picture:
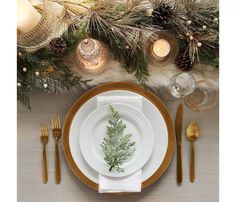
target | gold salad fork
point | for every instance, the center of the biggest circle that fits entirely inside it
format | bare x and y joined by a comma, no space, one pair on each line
56,132
44,141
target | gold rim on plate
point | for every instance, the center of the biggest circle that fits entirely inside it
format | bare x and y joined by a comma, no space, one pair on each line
119,86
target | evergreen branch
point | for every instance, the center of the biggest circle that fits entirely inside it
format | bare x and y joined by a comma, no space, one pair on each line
125,44
44,71
117,147
193,23
24,97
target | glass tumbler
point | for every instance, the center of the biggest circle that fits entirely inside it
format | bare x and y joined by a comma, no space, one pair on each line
181,85
203,98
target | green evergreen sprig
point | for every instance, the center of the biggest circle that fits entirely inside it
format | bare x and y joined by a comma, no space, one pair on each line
45,71
117,147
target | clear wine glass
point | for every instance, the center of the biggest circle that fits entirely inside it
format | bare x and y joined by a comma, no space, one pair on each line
181,85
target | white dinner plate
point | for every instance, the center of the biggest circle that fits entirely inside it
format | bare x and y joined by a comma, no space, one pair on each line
93,131
148,108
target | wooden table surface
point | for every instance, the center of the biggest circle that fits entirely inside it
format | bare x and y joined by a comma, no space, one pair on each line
71,189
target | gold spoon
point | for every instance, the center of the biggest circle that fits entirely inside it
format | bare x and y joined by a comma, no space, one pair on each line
193,132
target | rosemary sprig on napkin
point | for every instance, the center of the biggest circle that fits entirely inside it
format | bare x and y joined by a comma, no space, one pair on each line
117,146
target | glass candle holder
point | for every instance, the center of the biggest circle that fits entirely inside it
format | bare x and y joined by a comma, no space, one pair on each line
161,48
92,56
181,85
46,29
203,98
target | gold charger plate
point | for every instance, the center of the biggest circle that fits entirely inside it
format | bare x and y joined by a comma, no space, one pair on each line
119,86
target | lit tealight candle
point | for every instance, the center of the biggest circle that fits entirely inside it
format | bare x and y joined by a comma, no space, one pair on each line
161,49
27,16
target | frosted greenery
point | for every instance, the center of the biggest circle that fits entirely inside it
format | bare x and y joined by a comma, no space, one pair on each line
117,146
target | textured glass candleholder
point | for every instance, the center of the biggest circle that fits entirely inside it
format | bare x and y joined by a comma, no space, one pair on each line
166,39
204,98
47,28
92,56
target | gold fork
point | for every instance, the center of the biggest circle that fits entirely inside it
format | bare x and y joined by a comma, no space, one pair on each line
56,131
44,141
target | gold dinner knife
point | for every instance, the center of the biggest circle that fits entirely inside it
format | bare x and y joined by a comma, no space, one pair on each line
178,132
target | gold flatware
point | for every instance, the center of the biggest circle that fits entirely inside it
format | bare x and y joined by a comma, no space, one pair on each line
44,141
178,131
56,131
192,133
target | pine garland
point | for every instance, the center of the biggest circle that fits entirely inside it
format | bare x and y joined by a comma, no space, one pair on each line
121,27
196,26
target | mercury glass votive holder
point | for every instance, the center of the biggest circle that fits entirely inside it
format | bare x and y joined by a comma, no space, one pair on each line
92,56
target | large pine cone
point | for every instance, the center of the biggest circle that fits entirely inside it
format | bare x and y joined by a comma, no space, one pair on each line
183,61
162,14
58,45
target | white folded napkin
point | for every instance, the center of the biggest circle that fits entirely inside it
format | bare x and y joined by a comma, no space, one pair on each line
131,183
135,100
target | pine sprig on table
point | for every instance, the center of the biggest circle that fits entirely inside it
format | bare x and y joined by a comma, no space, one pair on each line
117,147
45,71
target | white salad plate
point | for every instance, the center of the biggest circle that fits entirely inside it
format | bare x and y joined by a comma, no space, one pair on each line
93,132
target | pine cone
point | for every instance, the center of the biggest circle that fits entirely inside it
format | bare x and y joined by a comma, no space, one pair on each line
58,45
162,14
183,61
